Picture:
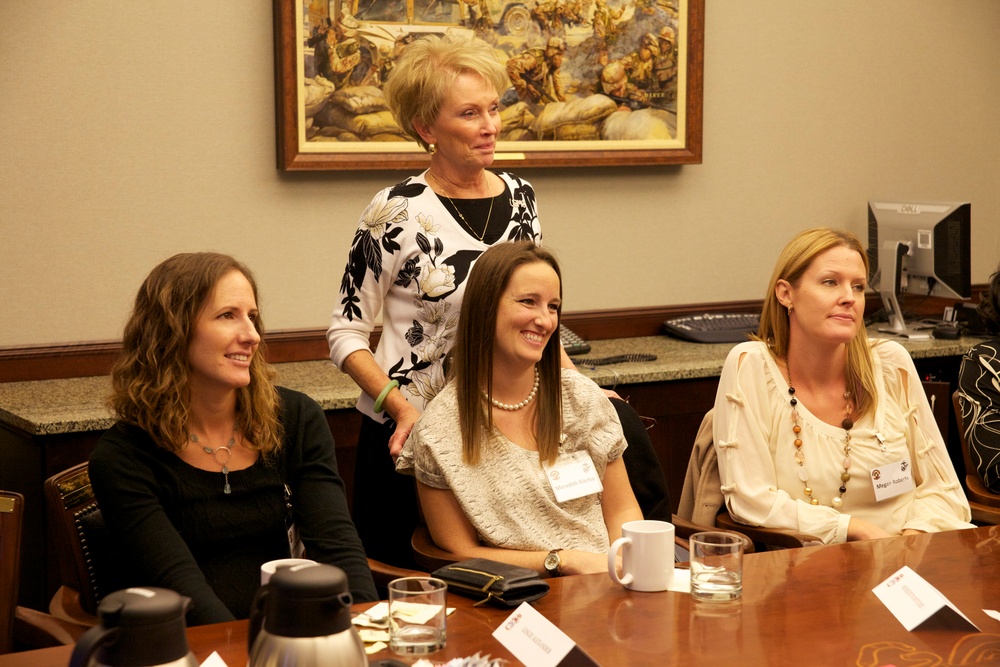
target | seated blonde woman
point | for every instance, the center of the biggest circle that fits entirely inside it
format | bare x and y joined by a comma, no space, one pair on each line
821,430
517,459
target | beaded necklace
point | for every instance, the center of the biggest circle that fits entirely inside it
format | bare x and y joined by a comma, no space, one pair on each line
847,425
226,453
517,406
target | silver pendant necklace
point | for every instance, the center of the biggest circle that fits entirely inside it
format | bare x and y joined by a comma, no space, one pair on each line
222,456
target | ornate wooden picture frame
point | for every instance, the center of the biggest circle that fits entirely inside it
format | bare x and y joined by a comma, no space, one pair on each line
595,82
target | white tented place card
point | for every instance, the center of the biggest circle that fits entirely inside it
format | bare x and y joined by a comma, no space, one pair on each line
214,660
918,605
537,642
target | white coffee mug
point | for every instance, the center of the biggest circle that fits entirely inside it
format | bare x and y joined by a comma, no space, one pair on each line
648,556
271,566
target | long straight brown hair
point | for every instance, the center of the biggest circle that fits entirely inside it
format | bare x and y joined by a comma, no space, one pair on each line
472,356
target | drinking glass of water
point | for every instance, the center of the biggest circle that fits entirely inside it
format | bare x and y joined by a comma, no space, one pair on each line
716,566
417,615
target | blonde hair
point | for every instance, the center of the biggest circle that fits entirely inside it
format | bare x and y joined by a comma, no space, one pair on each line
150,380
472,356
425,72
792,263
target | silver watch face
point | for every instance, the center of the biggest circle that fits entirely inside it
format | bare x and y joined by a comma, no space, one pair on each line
552,562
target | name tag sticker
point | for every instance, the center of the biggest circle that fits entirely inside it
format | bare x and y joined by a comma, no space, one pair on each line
537,642
918,605
892,479
573,476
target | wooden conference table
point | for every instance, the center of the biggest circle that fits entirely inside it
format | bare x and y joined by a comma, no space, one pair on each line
811,606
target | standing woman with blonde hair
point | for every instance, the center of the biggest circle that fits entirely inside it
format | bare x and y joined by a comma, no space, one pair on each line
210,464
819,429
410,259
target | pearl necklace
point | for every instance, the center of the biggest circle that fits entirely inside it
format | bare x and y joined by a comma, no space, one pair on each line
517,406
225,451
847,424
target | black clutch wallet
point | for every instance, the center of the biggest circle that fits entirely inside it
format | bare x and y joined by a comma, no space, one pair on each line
502,584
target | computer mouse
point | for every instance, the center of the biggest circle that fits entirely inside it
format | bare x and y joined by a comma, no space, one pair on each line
947,332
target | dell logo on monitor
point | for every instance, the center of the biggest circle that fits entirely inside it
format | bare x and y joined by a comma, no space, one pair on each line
909,208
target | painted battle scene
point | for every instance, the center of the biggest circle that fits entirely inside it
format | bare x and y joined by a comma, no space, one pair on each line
582,70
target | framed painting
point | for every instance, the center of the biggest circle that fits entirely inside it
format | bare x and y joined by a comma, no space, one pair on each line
593,82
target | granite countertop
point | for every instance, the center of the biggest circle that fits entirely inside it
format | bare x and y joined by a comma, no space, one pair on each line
72,405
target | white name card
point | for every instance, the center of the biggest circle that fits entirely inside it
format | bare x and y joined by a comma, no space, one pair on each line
573,476
917,604
537,642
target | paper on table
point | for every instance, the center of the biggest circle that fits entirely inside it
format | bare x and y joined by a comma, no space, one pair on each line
377,616
371,649
681,582
370,636
913,601
214,660
992,613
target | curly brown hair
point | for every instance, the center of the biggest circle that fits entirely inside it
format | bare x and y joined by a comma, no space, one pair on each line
150,380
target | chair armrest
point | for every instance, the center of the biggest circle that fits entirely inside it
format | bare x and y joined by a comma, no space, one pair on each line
978,493
383,573
427,554
65,605
35,629
767,537
684,529
985,514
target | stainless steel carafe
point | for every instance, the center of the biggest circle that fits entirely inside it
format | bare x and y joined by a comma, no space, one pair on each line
138,627
302,617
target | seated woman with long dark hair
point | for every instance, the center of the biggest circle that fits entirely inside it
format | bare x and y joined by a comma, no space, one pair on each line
517,459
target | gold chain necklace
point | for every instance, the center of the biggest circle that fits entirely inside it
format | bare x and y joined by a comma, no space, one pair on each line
471,229
847,425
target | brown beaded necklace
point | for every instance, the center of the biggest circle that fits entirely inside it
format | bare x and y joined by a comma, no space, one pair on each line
847,425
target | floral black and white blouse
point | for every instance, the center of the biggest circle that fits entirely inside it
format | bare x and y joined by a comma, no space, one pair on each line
979,395
410,259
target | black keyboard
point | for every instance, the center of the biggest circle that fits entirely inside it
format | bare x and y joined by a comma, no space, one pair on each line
571,342
714,327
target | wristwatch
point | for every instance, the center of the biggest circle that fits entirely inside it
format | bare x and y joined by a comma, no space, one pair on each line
552,562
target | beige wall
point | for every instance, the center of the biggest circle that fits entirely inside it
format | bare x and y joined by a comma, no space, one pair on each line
130,131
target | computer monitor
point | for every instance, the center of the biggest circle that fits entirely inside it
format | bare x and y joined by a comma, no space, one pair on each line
918,248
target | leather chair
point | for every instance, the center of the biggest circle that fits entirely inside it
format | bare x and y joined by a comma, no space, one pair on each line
984,503
79,539
426,553
20,627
